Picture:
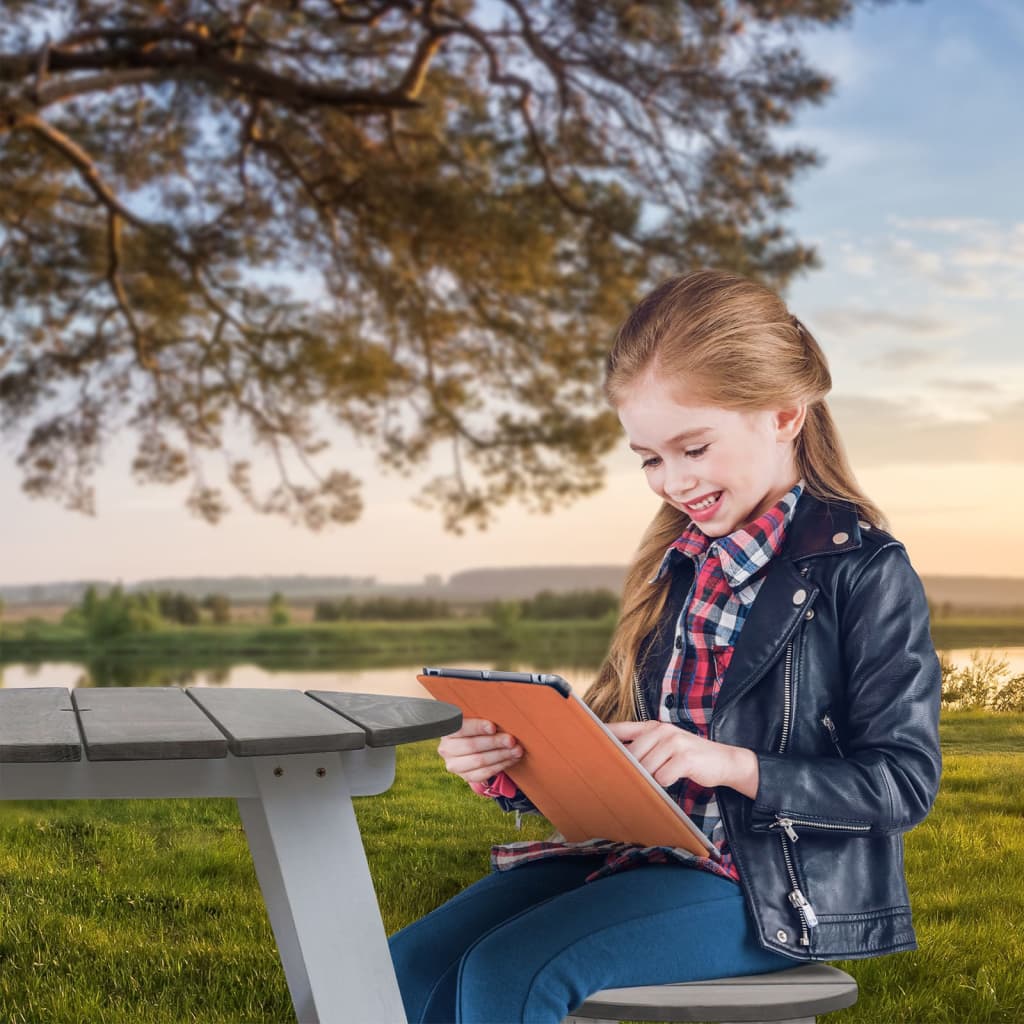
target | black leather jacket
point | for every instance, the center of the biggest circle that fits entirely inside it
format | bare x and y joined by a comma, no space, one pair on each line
835,684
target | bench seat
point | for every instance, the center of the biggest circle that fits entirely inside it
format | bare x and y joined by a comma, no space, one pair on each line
793,996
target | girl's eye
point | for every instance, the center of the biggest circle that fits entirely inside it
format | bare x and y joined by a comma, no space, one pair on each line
693,453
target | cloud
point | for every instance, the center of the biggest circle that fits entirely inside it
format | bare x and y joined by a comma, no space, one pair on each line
906,255
856,261
973,256
943,225
881,431
971,387
853,320
905,358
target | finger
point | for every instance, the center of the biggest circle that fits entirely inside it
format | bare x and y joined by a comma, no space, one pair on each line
476,727
626,731
483,774
668,773
644,743
455,745
484,759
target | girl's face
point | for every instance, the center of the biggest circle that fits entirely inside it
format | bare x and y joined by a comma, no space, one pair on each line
692,452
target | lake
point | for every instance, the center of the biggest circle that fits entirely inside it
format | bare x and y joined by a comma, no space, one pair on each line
400,680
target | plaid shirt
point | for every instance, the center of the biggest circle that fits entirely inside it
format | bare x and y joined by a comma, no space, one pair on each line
727,577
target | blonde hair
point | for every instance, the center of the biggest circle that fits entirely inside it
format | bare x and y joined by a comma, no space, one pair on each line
736,346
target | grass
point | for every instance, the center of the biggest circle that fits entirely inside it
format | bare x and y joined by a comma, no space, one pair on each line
149,911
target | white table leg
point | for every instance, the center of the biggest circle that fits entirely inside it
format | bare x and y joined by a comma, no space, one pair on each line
316,884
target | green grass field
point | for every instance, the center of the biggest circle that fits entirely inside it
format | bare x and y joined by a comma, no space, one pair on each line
149,911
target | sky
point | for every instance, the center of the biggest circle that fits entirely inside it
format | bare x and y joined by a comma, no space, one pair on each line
918,216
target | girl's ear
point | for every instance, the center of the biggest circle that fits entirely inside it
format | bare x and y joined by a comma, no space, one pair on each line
789,422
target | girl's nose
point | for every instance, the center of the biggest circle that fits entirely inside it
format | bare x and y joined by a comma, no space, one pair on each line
679,482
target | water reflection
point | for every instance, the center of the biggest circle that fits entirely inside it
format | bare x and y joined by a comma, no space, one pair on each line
400,680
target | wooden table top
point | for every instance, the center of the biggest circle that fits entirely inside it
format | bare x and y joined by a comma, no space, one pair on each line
51,723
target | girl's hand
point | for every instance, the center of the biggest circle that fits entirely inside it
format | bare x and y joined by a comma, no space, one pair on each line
670,753
478,751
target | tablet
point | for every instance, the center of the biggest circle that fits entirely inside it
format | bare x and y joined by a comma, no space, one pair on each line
579,776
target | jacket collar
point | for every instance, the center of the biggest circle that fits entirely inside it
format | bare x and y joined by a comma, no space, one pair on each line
818,528
821,528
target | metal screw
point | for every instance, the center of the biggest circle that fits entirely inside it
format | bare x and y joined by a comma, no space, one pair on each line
321,772
279,771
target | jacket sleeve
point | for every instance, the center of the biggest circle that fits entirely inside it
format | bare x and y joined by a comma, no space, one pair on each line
889,776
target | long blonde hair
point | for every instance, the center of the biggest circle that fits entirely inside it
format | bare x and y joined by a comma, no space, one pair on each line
736,346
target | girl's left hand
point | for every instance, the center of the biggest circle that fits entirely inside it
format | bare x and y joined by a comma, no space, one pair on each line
670,753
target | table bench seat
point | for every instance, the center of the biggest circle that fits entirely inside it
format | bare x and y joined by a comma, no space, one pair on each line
793,996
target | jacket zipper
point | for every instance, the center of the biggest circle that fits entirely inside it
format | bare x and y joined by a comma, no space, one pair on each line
808,918
638,699
786,823
826,720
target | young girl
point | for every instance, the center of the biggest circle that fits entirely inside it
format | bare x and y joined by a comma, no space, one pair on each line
771,667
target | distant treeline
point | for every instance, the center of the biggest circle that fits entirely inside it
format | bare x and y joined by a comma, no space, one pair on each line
119,613
572,604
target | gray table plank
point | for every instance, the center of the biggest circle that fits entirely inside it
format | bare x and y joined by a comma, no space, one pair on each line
38,724
126,723
276,721
390,720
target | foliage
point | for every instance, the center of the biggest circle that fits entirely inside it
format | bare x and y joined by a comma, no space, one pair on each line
177,607
415,223
982,685
117,614
219,607
277,610
389,608
571,604
505,615
114,614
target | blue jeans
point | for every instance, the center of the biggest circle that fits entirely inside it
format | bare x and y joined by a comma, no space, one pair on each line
527,946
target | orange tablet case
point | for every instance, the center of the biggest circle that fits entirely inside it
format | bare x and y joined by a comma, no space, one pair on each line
579,776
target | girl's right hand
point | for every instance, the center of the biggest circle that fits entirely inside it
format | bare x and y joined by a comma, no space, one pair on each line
478,751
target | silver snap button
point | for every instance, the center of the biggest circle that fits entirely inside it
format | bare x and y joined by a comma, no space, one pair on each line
840,538
809,614
863,525
782,936
800,596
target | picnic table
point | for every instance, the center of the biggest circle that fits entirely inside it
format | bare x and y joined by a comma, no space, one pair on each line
292,760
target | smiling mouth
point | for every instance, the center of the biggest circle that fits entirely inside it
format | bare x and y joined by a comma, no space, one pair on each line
704,503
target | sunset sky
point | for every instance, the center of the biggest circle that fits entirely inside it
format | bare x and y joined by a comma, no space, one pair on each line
918,215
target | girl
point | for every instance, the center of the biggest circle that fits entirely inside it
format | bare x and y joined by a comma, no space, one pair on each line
771,667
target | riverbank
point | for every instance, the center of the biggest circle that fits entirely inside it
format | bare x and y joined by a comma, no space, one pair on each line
582,641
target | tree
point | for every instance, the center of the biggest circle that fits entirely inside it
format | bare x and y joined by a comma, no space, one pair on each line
219,607
230,222
277,610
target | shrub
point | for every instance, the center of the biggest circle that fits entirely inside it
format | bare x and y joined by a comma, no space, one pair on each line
571,604
392,608
981,685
